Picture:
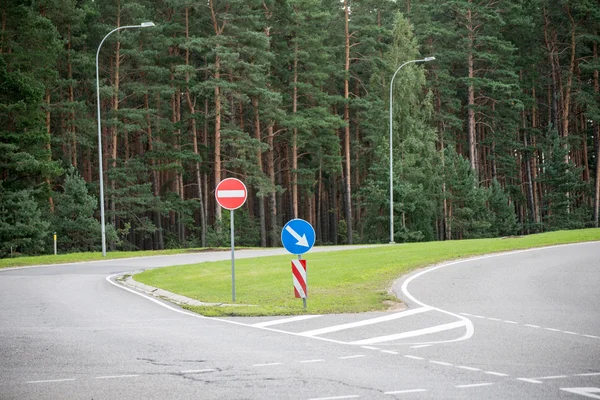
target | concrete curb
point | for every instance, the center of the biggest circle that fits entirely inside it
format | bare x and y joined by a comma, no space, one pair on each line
128,280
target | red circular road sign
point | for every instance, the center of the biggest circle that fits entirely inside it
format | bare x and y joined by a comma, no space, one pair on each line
231,193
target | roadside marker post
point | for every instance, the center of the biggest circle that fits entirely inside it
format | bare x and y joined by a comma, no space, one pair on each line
231,194
298,237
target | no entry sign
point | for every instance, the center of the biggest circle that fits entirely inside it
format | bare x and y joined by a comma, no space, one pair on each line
231,193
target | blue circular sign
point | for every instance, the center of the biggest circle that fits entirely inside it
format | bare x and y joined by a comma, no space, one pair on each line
298,236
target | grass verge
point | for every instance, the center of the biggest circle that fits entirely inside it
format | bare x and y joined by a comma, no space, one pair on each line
338,282
92,256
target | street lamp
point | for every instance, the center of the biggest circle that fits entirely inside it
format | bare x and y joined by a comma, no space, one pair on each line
142,25
426,59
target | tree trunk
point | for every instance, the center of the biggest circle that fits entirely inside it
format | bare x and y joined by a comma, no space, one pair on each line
259,161
471,98
272,195
347,152
294,182
596,145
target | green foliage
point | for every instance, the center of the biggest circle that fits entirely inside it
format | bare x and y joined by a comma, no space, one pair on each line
22,229
74,220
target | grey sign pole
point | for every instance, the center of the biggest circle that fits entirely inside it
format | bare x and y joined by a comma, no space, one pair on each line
232,259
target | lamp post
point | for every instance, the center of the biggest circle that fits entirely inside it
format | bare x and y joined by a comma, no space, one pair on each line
102,222
426,59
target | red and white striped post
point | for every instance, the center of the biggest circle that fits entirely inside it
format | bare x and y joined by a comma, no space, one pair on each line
300,281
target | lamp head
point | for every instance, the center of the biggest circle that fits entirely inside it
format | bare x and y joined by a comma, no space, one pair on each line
147,24
429,58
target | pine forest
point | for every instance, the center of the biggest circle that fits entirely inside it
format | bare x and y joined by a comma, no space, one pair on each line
498,135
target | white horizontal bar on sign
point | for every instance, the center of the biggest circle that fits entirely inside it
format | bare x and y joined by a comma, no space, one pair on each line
365,322
285,320
418,332
223,194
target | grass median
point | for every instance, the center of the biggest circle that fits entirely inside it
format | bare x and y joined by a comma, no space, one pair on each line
338,282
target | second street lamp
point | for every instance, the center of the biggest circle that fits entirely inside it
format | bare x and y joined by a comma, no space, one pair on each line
426,59
100,176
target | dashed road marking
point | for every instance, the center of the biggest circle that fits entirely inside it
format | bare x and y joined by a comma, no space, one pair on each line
349,357
116,376
311,361
495,373
552,377
529,380
414,357
352,396
589,374
473,385
468,368
389,351
52,380
406,391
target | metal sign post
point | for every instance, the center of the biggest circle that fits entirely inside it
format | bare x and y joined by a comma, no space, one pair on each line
298,237
231,194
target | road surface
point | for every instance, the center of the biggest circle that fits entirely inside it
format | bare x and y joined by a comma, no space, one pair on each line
522,325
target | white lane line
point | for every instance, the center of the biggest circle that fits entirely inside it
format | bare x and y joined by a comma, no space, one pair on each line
311,361
495,373
592,336
468,368
447,364
533,326
389,351
285,320
365,322
495,319
570,333
473,385
116,376
552,377
349,357
584,391
552,329
510,322
352,396
529,380
267,364
418,332
196,371
369,347
414,357
406,391
52,380
589,374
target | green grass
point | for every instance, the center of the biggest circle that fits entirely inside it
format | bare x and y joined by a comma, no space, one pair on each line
338,282
81,257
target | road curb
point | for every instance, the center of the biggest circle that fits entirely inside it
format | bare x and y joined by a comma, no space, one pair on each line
128,280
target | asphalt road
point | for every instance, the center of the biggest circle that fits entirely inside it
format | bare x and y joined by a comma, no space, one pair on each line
522,325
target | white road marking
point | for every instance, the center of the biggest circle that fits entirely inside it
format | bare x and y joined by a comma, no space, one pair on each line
116,376
592,336
570,333
441,363
589,374
267,364
349,357
414,357
365,322
510,322
533,326
584,391
552,377
528,380
389,351
352,396
495,373
473,385
52,380
224,194
420,346
285,320
369,347
552,329
468,368
494,319
312,361
418,332
406,391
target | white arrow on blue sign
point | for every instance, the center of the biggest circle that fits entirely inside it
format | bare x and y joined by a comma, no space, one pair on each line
298,236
